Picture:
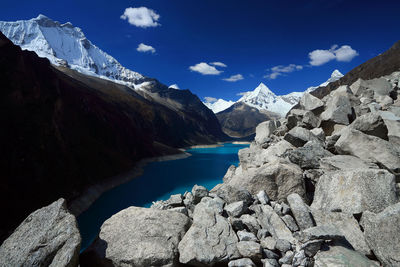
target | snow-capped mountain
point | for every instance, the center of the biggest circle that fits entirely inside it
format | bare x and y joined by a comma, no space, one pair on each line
64,44
219,105
336,75
263,98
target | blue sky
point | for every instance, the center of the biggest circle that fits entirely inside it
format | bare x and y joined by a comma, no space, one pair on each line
250,37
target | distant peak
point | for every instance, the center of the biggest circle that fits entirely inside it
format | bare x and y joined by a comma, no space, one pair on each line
262,88
336,73
45,21
42,17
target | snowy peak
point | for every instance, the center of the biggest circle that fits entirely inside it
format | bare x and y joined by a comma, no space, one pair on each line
64,44
336,75
219,105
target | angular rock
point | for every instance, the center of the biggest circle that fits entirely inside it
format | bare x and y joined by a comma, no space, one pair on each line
241,263
371,124
268,242
270,263
232,194
318,132
393,131
215,204
302,118
250,222
310,102
345,162
341,256
355,191
287,258
182,210
262,233
290,223
236,209
324,232
299,136
347,224
338,110
301,211
308,156
283,245
270,254
265,129
246,236
175,200
271,221
250,249
263,197
300,259
369,148
138,237
198,193
209,240
47,237
382,232
310,248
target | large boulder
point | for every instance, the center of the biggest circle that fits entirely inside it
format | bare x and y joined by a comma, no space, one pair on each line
310,102
271,221
369,148
138,237
341,256
302,118
344,162
393,131
265,129
382,232
299,136
47,237
371,124
209,240
308,156
301,211
338,110
347,225
278,178
355,191
232,194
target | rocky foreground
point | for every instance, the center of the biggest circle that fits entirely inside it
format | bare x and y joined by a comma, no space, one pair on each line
319,188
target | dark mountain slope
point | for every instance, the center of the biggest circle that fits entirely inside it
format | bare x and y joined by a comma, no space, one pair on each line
381,65
241,120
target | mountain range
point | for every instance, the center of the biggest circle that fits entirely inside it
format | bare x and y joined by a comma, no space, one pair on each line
239,119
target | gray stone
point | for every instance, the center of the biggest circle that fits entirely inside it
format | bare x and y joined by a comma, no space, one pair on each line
382,232
270,263
325,232
369,148
139,237
250,249
236,209
265,129
198,193
283,245
302,118
371,124
237,224
182,210
232,194
250,222
268,242
393,131
338,110
341,256
301,211
287,258
299,136
344,162
47,237
308,156
271,221
347,224
278,209
216,204
299,259
241,263
270,254
318,132
311,247
285,208
209,240
246,236
355,191
310,102
263,197
290,223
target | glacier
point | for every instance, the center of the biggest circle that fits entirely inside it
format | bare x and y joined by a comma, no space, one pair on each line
66,45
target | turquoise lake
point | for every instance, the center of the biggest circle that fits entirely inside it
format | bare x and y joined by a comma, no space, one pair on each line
205,167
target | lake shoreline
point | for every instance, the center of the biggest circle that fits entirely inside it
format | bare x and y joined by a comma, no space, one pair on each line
91,194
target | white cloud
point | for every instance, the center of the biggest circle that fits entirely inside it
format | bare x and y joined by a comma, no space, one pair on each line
344,54
219,64
205,69
281,70
234,78
141,17
210,99
145,48
174,86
